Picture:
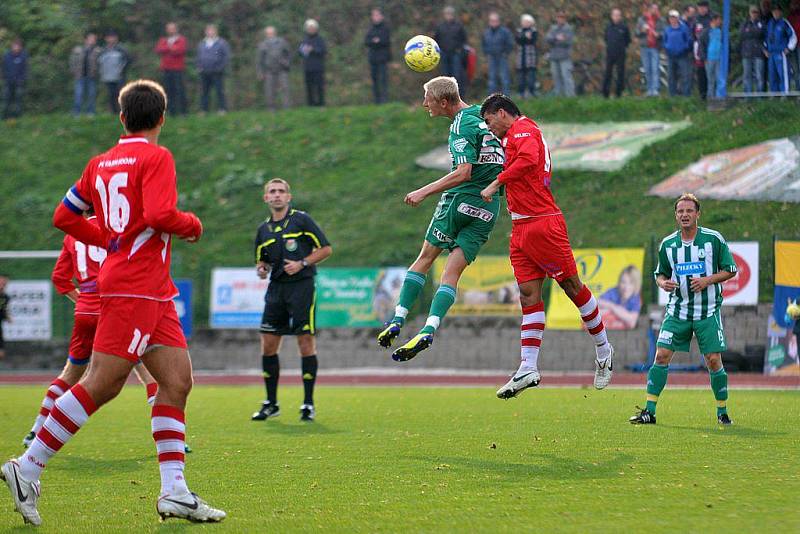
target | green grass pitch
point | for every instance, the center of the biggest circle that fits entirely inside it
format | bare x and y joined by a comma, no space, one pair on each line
432,459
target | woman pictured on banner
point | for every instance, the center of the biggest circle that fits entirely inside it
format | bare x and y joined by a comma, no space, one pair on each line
621,304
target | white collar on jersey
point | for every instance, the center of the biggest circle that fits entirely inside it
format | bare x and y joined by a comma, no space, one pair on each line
126,140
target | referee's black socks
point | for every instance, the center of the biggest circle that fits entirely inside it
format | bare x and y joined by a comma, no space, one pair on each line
308,365
272,371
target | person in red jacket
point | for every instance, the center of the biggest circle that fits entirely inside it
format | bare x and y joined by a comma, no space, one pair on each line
133,189
539,241
172,49
81,263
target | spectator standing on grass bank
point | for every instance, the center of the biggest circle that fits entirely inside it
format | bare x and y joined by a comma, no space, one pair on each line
272,65
701,23
780,42
617,37
15,73
498,43
379,52
451,38
314,50
213,57
678,46
83,65
649,30
527,55
751,43
560,38
172,49
112,64
711,52
4,316
794,21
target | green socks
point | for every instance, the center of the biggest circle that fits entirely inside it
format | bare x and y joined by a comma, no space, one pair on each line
444,298
656,380
412,286
719,385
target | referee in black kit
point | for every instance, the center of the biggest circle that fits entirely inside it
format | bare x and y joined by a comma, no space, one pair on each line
288,246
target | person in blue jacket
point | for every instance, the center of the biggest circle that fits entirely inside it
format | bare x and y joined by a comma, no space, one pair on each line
15,73
780,40
677,42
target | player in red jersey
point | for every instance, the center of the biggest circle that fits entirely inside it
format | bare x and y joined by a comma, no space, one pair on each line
80,262
539,242
133,189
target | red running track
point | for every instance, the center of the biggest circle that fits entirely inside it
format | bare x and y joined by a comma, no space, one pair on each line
339,378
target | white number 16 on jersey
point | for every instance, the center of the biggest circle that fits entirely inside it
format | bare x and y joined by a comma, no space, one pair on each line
116,208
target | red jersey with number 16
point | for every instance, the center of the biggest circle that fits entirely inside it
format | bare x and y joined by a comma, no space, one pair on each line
526,171
80,262
133,189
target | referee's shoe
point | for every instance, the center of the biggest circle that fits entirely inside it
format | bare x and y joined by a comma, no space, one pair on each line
267,411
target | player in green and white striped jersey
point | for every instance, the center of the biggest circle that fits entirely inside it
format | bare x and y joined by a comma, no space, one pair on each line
692,264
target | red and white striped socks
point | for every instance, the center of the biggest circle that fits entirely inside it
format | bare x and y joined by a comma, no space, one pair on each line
152,389
531,333
66,417
169,433
593,321
57,388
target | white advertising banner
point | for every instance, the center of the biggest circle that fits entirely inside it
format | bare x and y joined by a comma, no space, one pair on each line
237,298
30,311
742,289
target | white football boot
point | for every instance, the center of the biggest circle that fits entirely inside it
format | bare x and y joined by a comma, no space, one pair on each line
24,492
522,379
603,370
188,506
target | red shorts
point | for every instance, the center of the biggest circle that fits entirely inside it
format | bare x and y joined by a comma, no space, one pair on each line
129,325
80,346
540,247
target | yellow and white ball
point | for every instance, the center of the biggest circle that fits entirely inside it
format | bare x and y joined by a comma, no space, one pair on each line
422,53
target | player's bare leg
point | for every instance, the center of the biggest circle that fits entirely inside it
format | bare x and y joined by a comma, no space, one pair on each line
151,387
100,384
271,371
412,287
444,297
592,319
307,345
531,331
69,376
172,369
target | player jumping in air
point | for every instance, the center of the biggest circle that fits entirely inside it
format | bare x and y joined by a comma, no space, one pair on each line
462,221
133,189
692,264
80,262
539,242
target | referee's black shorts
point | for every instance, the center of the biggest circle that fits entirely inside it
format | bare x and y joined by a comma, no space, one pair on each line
289,308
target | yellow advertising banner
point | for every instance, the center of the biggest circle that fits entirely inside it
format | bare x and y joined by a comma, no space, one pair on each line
487,287
615,277
787,259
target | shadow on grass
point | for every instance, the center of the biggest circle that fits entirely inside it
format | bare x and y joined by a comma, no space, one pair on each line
732,431
548,466
299,429
96,465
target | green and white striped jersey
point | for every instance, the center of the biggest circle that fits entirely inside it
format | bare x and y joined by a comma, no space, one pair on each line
470,141
681,261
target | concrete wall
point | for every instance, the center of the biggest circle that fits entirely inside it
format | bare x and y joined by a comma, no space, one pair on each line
469,343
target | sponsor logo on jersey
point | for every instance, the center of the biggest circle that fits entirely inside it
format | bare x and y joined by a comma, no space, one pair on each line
665,337
116,162
291,245
491,158
460,144
478,213
521,135
690,268
438,234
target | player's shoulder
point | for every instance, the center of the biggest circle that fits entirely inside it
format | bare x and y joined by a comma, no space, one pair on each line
712,234
671,239
300,215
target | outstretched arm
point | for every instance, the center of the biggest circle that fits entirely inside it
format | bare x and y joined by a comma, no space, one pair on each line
460,175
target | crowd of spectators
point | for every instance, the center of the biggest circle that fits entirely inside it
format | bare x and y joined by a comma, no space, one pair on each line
678,52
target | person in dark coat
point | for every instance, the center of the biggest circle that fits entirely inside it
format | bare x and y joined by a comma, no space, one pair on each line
15,73
213,57
751,43
617,37
451,37
379,45
313,51
497,43
527,55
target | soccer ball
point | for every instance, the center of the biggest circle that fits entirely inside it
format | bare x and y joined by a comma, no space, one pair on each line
793,311
422,53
